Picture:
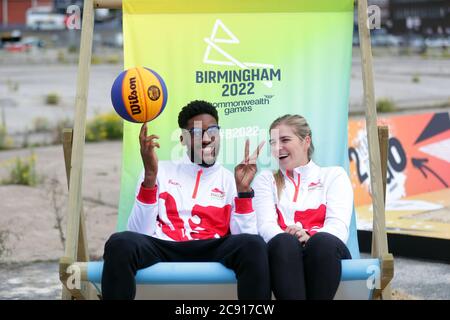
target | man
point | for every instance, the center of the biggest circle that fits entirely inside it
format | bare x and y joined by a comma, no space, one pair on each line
192,210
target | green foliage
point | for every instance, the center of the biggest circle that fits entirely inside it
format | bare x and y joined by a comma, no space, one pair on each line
52,99
61,57
107,126
112,59
95,59
6,141
385,105
446,54
72,49
23,172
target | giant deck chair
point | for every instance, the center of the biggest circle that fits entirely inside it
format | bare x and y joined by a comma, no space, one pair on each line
321,73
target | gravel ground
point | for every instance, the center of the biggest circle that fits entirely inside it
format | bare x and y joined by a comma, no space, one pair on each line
34,281
30,228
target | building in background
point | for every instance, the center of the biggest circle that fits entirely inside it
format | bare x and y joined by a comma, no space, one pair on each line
384,11
44,14
426,17
61,5
13,13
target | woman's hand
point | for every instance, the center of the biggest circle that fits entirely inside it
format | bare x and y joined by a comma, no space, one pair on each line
149,157
297,231
246,170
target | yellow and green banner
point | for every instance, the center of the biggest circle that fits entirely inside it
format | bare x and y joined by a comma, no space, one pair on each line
255,60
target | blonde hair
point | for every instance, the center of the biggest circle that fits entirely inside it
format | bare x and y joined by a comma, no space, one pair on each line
301,129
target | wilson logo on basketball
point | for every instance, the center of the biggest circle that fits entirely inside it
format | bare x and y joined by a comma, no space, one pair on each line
153,93
139,94
133,97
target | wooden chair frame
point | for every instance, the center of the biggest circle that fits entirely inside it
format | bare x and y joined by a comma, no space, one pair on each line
73,265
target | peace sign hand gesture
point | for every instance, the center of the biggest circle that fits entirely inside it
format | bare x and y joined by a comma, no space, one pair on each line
245,171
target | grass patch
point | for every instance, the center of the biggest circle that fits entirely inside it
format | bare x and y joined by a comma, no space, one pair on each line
72,49
415,78
52,99
61,57
6,142
23,172
108,126
95,59
385,105
112,59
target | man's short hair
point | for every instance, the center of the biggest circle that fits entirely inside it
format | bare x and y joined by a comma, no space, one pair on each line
194,108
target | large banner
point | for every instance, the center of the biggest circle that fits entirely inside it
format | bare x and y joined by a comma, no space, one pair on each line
254,60
418,156
418,174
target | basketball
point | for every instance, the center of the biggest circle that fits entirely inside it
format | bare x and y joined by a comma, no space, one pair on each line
139,94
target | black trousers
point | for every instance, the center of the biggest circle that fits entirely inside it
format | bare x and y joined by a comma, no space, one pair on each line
310,272
126,252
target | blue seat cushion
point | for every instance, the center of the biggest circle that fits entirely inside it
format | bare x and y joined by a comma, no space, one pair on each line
215,272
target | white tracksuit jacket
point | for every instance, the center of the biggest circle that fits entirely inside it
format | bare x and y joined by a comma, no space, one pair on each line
321,199
190,202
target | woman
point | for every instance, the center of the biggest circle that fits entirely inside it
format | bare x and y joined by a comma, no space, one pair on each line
304,214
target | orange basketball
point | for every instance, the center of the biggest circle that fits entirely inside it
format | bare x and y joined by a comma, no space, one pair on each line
139,94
